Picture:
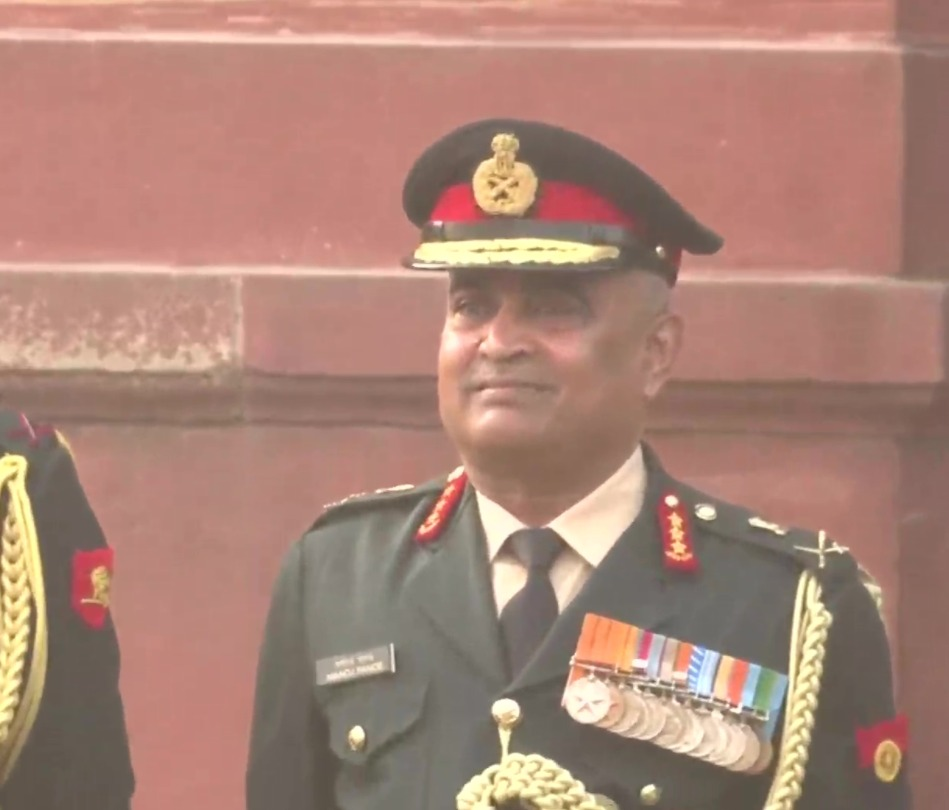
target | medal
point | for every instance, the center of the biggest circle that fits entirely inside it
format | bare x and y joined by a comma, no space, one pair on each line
582,654
712,737
616,710
691,730
777,687
764,758
632,711
614,646
751,752
769,696
638,711
647,667
693,733
586,698
635,706
688,669
746,697
674,725
636,697
636,701
768,699
735,744
730,751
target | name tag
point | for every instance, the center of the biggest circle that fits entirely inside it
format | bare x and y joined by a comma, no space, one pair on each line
356,666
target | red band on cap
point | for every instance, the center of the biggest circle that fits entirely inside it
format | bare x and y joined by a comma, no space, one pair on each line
556,202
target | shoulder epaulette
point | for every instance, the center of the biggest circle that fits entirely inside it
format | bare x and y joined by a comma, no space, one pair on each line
360,501
21,436
813,550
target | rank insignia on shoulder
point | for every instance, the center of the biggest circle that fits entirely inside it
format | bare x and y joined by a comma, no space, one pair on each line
812,549
92,585
444,507
356,495
677,695
823,549
882,747
767,525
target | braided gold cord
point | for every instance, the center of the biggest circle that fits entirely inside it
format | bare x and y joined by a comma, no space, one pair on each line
530,779
812,623
23,599
16,611
14,622
874,589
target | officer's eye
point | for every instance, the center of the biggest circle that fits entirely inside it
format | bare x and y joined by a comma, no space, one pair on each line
557,304
470,306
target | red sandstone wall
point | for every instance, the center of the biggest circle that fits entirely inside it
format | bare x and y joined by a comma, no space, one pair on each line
197,234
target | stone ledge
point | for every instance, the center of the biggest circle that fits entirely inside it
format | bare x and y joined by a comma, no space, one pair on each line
869,19
342,348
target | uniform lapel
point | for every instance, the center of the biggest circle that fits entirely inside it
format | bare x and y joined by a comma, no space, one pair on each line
452,589
631,585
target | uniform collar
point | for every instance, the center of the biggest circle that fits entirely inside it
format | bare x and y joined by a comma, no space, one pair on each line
592,525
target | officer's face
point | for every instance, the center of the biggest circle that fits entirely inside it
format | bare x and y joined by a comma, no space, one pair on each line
547,360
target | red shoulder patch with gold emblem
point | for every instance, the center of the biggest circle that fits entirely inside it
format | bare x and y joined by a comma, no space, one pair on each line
882,747
676,530
92,584
444,507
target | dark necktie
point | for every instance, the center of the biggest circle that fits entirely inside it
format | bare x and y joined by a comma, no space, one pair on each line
527,618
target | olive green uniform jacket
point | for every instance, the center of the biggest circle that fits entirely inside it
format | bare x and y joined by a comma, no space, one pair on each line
361,579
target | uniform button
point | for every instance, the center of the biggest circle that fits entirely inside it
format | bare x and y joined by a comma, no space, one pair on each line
705,511
506,713
357,739
650,795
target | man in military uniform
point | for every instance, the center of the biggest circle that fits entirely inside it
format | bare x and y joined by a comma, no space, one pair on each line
63,743
560,619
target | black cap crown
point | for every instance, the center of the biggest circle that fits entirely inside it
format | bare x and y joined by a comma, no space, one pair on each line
525,195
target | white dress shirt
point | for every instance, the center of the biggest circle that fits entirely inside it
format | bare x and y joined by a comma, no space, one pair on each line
589,528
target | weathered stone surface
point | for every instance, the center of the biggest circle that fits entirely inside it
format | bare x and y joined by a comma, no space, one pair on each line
483,20
197,152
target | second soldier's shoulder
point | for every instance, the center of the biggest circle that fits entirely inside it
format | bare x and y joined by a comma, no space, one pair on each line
37,442
799,546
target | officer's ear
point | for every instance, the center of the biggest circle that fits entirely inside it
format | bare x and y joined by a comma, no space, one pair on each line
663,344
664,333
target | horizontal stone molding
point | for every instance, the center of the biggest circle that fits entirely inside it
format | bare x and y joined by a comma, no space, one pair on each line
763,354
740,408
590,18
214,150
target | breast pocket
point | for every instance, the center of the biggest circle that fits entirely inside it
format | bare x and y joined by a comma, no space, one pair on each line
637,774
376,734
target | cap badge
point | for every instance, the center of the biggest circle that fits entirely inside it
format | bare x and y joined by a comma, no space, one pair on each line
501,184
